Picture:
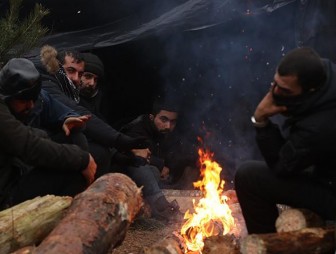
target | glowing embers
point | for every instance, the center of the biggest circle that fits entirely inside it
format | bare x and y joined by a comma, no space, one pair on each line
212,215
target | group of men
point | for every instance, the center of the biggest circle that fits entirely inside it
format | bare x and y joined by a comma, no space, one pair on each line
58,99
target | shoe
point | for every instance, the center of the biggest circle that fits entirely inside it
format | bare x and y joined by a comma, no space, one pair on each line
170,214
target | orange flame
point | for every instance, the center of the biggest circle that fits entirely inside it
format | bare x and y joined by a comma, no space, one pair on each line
212,215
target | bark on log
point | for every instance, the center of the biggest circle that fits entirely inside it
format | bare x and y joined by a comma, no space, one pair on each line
29,222
304,241
98,218
296,219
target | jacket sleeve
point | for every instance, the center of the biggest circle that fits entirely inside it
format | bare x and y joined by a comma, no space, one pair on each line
19,141
54,112
96,129
285,157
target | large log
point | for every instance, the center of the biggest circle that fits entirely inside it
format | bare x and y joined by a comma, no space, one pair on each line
98,218
304,241
296,219
29,222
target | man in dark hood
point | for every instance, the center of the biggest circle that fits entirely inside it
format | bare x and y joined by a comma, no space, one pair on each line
91,80
299,168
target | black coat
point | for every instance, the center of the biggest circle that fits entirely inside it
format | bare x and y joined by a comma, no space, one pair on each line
142,126
19,141
311,139
96,129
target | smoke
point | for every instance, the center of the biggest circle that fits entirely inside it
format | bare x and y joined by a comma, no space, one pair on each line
219,75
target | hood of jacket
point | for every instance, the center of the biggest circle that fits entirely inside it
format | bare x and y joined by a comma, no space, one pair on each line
323,98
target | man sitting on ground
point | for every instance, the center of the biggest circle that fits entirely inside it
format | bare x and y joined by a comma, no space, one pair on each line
53,168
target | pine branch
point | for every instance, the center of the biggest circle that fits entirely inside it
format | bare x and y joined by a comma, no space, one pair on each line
18,36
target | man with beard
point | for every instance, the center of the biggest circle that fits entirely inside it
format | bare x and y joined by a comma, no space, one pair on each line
61,73
39,110
91,80
31,164
300,162
154,163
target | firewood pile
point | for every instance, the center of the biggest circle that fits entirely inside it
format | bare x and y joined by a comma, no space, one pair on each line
97,220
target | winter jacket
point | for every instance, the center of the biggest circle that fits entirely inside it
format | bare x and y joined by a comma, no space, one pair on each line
158,144
310,145
20,142
96,129
49,113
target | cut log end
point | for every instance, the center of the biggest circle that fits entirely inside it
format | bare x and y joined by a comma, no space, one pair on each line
296,219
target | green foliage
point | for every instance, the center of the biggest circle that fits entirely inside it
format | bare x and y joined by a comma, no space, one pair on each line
18,36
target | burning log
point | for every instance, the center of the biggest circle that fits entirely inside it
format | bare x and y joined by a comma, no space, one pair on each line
98,218
296,219
304,241
29,222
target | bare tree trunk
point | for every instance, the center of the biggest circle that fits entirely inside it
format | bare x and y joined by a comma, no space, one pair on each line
98,218
29,222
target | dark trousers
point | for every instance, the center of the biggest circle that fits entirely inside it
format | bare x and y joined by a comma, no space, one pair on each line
102,156
147,176
40,182
259,190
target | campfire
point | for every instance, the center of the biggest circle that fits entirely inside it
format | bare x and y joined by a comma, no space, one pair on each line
212,215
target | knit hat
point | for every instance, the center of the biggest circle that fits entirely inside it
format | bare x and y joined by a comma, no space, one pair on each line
19,79
93,64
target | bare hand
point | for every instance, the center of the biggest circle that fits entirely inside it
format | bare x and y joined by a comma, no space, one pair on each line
267,108
90,171
144,153
74,122
165,173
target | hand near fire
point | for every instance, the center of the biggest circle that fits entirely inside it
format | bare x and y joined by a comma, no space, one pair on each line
90,171
74,122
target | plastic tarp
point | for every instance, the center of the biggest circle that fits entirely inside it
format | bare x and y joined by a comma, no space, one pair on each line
73,28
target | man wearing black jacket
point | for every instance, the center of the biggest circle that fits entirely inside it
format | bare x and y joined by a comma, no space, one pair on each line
53,168
300,162
61,74
154,162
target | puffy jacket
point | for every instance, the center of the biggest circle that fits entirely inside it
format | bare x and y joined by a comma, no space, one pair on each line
19,141
311,141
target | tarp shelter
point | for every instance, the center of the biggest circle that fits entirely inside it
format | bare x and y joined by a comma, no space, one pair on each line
215,56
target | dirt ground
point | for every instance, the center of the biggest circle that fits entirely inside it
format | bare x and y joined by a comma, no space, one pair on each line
144,232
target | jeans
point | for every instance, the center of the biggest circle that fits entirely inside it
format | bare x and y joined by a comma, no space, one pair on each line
147,176
259,190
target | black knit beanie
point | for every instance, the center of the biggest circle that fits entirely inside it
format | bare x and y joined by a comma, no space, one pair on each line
93,64
19,79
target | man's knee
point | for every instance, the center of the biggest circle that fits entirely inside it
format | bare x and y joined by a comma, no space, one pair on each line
248,173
